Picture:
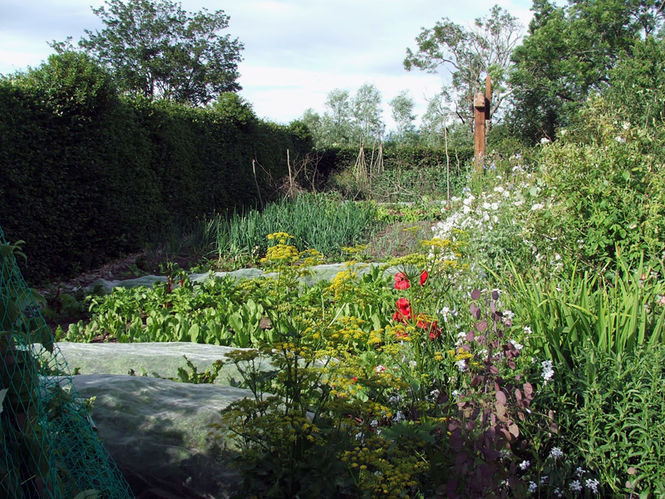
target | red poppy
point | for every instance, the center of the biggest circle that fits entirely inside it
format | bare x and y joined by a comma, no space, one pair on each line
431,326
403,313
401,281
423,277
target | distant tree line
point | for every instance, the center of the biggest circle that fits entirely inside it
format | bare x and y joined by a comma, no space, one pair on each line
540,80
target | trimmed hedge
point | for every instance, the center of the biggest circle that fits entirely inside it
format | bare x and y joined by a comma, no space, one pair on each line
87,175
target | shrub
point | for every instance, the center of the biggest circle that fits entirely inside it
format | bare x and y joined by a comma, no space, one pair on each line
606,182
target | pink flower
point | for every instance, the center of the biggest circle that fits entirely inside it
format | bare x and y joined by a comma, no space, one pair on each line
401,281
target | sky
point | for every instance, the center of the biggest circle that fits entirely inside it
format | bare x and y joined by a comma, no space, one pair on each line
296,51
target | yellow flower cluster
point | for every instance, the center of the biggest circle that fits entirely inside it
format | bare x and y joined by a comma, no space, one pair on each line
354,250
280,237
343,281
281,253
384,470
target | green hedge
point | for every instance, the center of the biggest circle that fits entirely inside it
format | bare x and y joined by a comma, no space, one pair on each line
87,174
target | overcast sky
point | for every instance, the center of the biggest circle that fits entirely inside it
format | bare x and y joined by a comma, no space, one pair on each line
296,51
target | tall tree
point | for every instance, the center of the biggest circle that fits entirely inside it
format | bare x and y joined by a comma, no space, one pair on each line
366,109
402,112
470,55
569,53
156,49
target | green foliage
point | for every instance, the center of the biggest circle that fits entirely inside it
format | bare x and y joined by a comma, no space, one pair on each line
71,85
622,314
319,222
230,106
610,414
568,54
408,173
88,176
156,49
606,183
637,83
402,112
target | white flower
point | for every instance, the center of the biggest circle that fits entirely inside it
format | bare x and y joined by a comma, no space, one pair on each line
359,435
525,464
498,188
394,399
543,479
537,206
556,453
434,394
548,370
575,486
620,140
374,423
580,471
557,492
461,365
398,417
455,393
504,453
545,140
625,125
518,346
532,487
527,329
592,485
380,369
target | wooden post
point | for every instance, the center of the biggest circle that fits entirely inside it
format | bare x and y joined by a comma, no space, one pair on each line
481,106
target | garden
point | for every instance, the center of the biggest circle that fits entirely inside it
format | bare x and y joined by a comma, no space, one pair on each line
507,341
399,320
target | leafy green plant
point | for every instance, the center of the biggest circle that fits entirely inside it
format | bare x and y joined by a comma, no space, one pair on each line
619,314
609,418
605,183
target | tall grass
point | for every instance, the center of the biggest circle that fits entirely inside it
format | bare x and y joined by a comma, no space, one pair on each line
317,221
617,314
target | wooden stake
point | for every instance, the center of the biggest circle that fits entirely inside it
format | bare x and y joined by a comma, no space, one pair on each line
481,106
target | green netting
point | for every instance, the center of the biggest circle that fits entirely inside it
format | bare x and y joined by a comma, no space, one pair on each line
48,447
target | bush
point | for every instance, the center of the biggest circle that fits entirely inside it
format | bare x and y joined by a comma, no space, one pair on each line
606,182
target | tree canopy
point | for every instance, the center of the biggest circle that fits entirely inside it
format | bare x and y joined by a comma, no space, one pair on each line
155,48
470,55
569,52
